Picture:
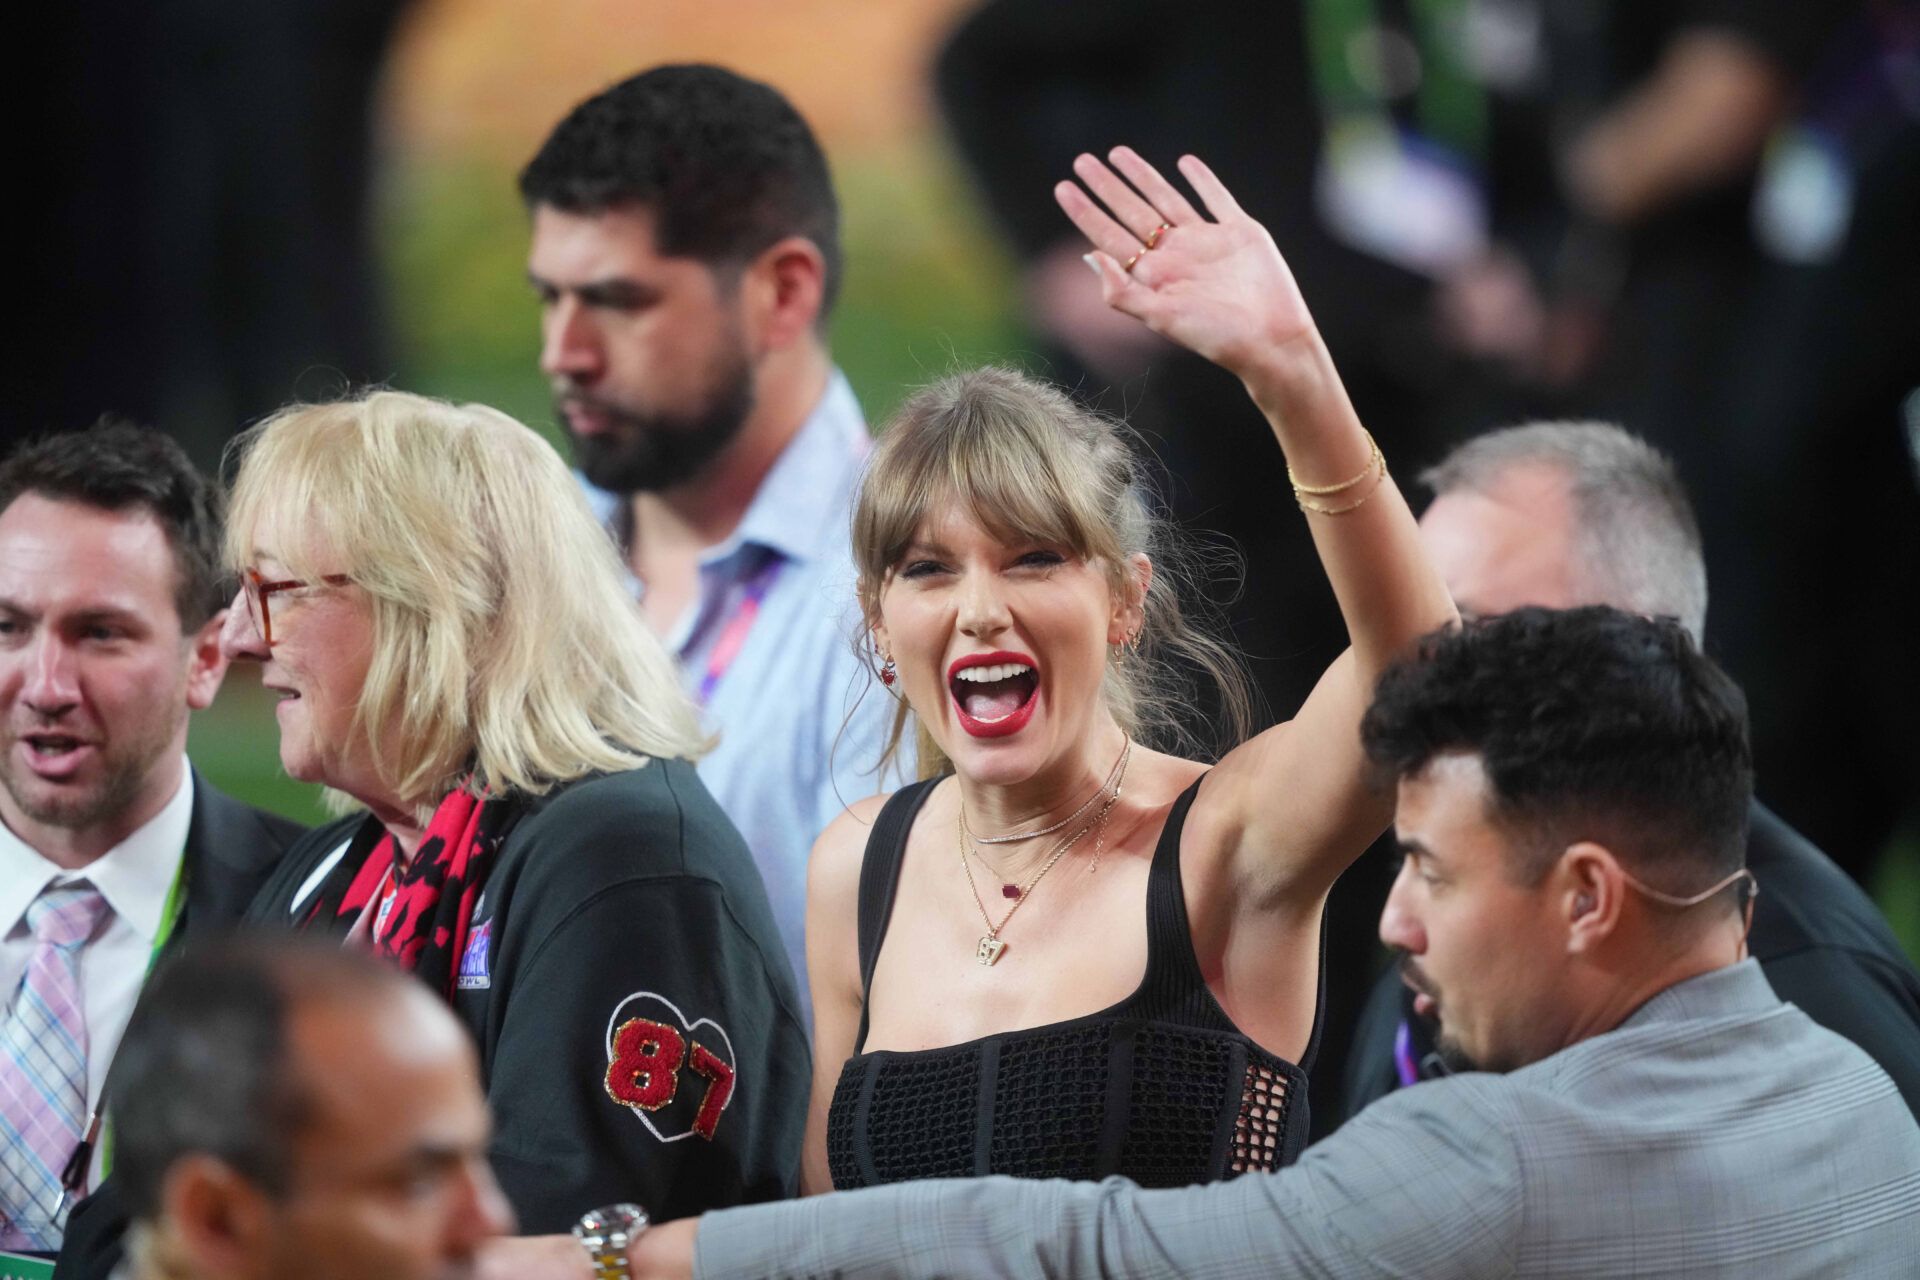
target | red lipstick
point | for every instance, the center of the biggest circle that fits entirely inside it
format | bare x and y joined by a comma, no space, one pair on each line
1013,721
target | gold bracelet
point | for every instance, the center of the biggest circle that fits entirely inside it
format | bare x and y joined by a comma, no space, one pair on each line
1379,464
1374,459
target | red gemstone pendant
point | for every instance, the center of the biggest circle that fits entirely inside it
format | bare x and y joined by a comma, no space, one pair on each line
1009,890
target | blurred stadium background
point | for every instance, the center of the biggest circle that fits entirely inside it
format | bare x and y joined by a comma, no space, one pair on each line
465,91
472,86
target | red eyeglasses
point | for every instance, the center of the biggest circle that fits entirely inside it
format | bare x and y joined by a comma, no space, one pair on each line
259,591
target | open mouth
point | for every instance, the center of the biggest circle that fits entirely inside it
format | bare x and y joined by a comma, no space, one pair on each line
993,693
54,755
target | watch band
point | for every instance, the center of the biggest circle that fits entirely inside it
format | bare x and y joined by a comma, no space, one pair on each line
610,1261
605,1234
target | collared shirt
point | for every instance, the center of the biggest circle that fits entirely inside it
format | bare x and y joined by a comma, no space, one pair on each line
800,718
1716,1132
134,877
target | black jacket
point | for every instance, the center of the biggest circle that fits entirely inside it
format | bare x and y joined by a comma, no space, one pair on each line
1819,939
627,896
622,897
231,850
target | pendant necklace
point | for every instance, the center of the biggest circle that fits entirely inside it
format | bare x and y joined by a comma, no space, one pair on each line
990,947
969,840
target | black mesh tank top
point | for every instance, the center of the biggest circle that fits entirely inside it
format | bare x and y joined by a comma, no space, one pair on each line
1161,1088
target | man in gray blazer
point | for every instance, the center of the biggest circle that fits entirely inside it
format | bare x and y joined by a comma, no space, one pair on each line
1566,513
1573,792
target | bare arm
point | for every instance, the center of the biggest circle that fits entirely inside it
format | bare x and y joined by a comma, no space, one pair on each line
833,971
1291,807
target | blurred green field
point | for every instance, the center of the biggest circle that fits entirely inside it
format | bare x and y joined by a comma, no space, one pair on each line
928,288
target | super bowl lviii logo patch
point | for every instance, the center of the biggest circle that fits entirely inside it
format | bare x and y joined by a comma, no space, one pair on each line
473,975
676,1075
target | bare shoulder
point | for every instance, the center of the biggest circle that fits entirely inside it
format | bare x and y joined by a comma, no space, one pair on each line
833,871
833,912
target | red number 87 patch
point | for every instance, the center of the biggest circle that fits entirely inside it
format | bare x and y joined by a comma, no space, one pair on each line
649,1043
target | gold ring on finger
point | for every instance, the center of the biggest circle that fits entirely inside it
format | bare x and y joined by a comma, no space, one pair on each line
1158,231
1127,266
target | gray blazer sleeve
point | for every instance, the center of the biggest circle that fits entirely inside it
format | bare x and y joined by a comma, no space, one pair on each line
1424,1183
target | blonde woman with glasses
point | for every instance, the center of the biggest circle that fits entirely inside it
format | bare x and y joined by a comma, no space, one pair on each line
451,651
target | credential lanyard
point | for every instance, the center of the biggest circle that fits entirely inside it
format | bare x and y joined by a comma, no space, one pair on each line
733,636
74,1176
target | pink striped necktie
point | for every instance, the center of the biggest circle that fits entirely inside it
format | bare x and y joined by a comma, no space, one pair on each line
43,1066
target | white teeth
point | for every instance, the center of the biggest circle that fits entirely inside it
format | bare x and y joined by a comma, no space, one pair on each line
987,675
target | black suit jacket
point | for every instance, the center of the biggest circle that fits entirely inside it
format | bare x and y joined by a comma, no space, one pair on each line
1819,939
231,849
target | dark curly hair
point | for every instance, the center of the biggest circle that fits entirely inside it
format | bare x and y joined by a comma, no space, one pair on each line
1591,724
724,163
114,465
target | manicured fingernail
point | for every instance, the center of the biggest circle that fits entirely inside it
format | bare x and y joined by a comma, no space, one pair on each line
1093,265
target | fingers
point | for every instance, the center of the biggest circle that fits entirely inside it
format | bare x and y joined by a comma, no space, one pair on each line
1126,205
1095,223
1213,193
1168,203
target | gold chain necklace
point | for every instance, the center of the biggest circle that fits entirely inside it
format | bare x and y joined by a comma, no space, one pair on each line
990,947
1118,770
969,840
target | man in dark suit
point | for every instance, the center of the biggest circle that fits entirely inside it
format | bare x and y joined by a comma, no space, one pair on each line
111,603
1572,513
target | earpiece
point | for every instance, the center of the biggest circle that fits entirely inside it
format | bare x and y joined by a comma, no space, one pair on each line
1583,904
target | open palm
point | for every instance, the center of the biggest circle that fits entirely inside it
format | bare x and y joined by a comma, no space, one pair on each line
1217,286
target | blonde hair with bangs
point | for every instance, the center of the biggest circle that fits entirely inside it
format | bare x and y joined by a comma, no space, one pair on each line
1029,464
505,643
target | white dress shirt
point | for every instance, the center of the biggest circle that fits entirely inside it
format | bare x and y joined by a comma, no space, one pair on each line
134,877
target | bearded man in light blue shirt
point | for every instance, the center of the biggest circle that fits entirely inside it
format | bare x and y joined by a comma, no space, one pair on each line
686,254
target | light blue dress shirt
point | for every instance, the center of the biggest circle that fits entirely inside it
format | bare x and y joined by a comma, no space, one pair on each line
800,718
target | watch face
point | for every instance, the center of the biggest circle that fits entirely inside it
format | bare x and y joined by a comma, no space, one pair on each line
599,1225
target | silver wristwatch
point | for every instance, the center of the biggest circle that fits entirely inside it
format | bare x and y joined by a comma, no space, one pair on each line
605,1234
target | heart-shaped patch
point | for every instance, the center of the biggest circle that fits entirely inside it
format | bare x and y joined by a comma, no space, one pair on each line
675,1074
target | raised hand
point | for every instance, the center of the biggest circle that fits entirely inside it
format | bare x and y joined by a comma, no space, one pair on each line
1218,286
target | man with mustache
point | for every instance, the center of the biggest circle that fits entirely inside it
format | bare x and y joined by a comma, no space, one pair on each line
686,253
1572,790
1570,513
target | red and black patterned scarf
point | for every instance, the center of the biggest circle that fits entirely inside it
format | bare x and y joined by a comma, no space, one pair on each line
434,892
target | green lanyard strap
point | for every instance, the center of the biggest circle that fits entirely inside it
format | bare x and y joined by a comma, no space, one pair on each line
170,913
